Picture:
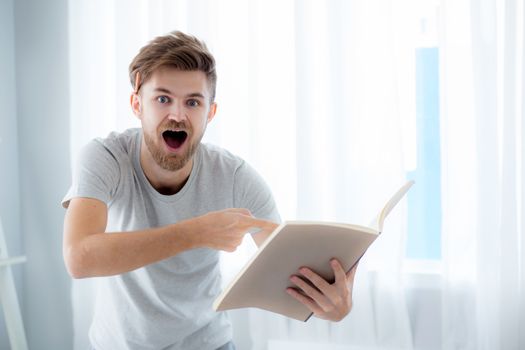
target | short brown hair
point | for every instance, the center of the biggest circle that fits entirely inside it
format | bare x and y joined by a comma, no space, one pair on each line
177,50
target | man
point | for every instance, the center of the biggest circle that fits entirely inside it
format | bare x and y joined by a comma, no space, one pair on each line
150,209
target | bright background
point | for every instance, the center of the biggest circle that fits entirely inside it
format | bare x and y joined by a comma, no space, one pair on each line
336,103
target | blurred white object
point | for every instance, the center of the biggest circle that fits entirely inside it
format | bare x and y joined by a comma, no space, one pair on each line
8,297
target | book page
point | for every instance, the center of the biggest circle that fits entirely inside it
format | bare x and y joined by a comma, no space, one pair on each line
377,223
263,281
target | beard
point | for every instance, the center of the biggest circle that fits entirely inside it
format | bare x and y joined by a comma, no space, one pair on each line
169,161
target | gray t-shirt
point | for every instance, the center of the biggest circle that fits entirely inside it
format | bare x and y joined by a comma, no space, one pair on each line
166,305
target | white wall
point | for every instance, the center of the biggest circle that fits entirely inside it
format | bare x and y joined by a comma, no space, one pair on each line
42,97
9,185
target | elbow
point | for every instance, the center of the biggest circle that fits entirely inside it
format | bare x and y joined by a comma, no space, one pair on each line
77,274
75,261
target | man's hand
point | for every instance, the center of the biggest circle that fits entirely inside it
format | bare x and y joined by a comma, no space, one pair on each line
225,229
327,301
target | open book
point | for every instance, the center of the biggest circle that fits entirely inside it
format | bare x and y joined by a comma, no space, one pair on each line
263,281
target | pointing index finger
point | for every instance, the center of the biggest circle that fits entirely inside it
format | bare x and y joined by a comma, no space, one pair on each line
253,222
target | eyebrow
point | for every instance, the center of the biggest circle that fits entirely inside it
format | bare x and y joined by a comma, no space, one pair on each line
166,91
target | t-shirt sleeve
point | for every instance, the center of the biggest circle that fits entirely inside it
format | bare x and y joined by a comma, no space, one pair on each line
252,192
96,174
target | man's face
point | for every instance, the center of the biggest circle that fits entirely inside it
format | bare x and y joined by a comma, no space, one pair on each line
174,108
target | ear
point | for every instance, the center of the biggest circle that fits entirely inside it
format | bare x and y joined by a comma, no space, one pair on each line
136,106
212,111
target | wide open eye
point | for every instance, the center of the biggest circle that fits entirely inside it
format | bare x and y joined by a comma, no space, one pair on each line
163,99
193,103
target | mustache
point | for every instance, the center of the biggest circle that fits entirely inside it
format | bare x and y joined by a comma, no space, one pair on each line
172,124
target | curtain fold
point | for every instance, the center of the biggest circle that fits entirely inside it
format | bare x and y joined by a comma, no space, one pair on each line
482,66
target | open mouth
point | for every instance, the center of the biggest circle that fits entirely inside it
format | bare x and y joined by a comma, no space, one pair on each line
174,139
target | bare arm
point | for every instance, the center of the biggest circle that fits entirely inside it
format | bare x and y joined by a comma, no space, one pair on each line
89,251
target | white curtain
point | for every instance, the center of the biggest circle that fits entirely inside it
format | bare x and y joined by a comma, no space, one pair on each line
483,212
319,97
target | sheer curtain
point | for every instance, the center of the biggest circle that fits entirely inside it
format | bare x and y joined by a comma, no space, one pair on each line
483,213
317,96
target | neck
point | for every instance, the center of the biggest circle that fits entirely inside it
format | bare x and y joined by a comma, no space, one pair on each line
166,182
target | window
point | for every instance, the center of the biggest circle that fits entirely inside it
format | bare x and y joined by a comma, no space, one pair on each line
424,200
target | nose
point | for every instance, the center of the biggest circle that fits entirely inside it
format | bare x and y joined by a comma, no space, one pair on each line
177,112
